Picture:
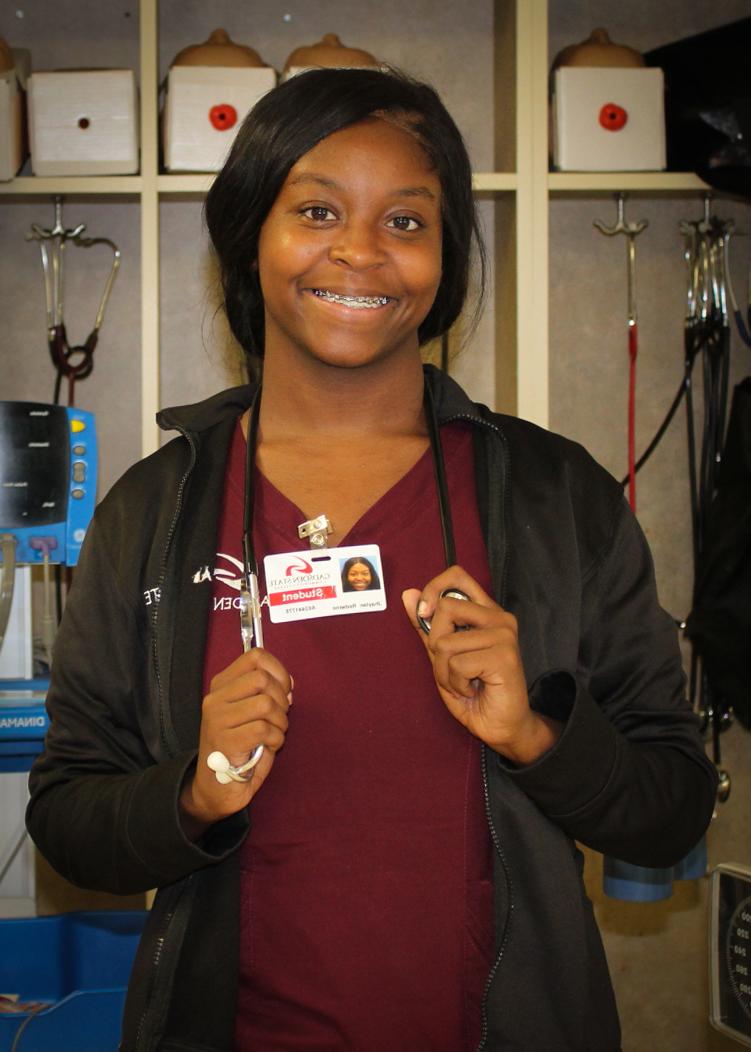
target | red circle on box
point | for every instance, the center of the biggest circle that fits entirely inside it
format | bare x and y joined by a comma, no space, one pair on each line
613,117
223,117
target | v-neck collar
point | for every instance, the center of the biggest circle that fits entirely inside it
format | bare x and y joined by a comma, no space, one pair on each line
279,517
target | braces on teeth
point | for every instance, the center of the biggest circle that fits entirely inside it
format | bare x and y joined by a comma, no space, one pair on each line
352,301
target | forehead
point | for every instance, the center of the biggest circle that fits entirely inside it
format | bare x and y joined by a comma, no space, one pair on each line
373,151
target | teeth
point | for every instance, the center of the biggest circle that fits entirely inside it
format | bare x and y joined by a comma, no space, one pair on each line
358,302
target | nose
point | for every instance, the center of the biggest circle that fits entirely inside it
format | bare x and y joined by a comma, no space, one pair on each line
356,245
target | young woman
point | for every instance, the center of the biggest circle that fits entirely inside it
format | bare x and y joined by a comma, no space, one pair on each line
398,870
359,575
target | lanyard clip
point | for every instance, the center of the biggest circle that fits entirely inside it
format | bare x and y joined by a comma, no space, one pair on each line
316,530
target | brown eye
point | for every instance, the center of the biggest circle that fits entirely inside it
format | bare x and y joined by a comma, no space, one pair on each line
318,213
406,223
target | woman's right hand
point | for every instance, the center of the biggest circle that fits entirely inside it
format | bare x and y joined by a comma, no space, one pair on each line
246,706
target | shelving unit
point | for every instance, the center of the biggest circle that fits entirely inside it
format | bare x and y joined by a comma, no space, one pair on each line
524,192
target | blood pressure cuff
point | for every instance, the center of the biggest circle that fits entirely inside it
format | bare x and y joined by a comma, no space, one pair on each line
708,105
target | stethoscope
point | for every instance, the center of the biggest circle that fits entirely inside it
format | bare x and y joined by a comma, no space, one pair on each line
251,627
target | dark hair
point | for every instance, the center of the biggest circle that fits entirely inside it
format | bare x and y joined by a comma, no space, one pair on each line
375,580
288,122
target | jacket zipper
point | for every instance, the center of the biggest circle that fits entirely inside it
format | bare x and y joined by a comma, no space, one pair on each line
155,959
161,937
162,574
486,791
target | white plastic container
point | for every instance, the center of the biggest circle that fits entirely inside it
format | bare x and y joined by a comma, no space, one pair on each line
608,119
12,102
83,122
204,110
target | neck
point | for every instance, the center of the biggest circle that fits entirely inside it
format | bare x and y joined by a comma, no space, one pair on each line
382,398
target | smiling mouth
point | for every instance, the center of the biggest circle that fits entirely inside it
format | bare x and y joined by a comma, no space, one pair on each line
357,302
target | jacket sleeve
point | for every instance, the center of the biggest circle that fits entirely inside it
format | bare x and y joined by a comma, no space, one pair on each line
104,799
629,775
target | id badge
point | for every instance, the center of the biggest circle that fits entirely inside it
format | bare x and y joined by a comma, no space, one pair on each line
301,585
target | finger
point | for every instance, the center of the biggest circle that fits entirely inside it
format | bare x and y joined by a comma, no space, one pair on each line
455,577
455,611
464,661
257,658
488,628
452,615
239,743
248,685
250,710
410,599
468,673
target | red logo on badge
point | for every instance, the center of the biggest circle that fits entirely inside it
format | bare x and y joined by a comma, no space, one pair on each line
299,566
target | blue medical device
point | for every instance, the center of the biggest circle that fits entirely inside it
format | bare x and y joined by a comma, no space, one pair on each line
48,470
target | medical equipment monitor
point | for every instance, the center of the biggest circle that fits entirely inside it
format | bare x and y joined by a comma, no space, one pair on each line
48,467
730,952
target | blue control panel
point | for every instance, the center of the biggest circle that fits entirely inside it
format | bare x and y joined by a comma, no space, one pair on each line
48,471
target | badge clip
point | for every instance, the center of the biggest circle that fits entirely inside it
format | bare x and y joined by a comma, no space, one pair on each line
316,530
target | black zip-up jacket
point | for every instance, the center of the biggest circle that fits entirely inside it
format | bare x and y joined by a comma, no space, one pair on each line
628,777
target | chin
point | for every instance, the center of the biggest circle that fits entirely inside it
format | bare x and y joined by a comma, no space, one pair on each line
354,355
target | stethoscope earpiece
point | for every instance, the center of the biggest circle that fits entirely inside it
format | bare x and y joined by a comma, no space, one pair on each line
225,772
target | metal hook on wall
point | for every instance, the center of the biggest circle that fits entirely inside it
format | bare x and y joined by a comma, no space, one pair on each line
73,362
631,232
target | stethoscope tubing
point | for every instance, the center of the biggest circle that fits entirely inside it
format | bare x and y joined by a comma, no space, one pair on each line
253,632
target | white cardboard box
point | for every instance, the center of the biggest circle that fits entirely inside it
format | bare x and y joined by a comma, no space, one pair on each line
12,102
587,131
83,122
204,110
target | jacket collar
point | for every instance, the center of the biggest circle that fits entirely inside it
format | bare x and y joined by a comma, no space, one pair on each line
450,402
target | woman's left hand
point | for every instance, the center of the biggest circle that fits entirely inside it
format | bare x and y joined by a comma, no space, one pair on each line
479,672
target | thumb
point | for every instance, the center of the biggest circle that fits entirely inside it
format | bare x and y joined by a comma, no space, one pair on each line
410,599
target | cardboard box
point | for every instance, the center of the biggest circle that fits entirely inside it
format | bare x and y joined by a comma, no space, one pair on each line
608,119
83,122
13,139
204,110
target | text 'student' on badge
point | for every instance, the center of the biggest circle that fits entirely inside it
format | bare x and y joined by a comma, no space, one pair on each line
316,530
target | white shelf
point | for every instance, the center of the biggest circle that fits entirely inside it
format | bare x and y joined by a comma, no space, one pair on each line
636,182
191,184
494,182
44,186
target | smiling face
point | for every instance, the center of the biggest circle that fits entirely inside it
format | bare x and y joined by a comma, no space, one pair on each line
349,256
359,577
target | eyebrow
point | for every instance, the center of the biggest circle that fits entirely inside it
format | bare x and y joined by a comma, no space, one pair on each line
331,184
